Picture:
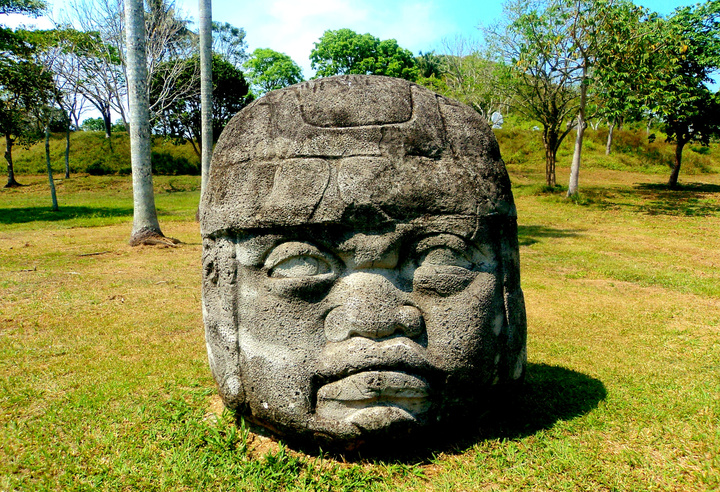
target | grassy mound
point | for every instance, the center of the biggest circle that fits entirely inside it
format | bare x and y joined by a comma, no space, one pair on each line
631,151
92,153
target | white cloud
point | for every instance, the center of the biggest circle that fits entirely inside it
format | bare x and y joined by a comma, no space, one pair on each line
18,20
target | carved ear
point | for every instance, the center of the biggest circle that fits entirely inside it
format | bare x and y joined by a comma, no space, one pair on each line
219,302
515,350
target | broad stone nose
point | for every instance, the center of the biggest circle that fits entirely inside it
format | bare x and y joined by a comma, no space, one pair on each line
371,306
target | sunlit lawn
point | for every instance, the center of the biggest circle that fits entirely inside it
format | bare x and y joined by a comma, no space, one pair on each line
105,385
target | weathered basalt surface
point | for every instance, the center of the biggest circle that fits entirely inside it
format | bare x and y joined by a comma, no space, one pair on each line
361,271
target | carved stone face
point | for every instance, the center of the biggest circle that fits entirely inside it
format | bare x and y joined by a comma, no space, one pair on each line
356,297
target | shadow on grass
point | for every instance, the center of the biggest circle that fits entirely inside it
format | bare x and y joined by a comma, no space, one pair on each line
688,200
22,215
532,234
548,395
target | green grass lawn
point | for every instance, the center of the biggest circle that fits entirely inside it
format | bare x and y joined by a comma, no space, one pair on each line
104,383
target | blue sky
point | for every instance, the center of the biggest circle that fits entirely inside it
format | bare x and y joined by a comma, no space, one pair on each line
292,26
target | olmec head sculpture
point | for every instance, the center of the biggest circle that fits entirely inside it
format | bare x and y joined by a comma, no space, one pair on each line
360,261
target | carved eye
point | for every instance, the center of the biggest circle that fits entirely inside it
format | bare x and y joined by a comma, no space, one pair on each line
300,266
446,250
446,264
211,273
445,256
297,260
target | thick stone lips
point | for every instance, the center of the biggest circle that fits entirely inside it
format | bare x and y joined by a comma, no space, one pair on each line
375,386
366,398
373,381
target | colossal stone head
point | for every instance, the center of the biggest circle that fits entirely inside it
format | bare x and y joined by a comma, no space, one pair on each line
360,261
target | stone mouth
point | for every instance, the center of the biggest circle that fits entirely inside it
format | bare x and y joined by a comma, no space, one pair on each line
375,386
378,397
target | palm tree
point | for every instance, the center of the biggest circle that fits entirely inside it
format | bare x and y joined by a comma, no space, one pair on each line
205,7
146,228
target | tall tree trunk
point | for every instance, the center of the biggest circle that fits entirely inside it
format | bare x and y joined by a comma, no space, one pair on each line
206,139
146,228
577,155
581,125
11,183
550,140
673,181
67,149
107,121
608,145
53,194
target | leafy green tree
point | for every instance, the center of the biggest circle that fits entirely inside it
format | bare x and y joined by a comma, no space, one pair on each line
24,86
269,70
10,43
18,74
622,67
538,73
662,67
344,52
687,55
93,125
181,121
430,71
429,64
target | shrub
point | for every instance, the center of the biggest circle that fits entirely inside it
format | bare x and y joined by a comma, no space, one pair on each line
99,168
702,150
167,164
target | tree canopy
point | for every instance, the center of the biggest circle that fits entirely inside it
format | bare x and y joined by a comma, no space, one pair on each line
540,72
11,43
344,52
24,84
229,42
269,70
180,121
24,87
688,54
661,67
